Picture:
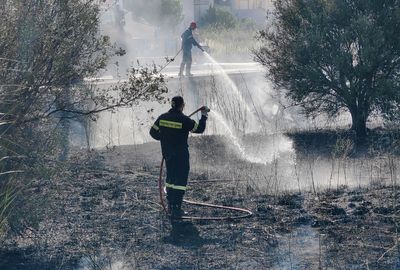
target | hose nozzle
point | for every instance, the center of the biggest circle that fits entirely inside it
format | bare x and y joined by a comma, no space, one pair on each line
205,108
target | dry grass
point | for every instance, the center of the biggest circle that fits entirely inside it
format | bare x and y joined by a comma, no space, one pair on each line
104,214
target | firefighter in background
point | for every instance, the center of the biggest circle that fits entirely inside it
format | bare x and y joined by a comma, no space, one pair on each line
187,42
172,129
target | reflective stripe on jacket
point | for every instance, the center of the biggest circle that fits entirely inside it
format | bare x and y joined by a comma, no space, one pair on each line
172,129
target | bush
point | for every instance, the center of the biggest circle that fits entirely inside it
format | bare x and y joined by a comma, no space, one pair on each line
51,48
217,17
7,196
227,36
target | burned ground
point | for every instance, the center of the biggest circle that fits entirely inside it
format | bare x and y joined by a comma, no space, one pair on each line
103,212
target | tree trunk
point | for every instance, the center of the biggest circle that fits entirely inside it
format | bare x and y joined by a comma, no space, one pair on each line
64,141
359,124
63,102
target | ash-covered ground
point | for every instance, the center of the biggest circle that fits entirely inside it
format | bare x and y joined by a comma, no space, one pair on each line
103,212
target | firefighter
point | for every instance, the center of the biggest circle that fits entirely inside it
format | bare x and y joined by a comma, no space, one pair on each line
187,42
172,129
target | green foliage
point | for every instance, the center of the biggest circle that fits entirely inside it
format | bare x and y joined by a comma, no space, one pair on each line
171,12
218,17
49,50
7,196
336,55
241,41
52,47
228,37
164,13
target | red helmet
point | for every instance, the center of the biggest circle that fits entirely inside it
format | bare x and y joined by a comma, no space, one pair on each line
193,25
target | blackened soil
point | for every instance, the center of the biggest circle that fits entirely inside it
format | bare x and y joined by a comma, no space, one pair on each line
103,212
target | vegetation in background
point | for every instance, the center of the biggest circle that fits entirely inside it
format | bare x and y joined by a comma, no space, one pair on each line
164,13
218,17
337,55
218,26
48,50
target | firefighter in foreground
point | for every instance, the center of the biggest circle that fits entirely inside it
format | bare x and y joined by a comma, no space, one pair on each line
187,42
172,129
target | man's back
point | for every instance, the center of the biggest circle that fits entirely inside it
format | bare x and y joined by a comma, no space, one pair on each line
187,40
172,129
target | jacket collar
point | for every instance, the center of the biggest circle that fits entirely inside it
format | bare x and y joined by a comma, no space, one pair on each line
175,110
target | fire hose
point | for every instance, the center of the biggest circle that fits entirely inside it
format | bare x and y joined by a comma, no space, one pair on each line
169,61
245,213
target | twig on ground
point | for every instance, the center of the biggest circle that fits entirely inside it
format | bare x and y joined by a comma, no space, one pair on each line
387,251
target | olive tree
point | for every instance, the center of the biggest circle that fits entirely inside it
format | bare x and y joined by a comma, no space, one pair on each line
337,55
49,50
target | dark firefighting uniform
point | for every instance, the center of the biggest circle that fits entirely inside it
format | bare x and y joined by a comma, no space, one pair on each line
187,42
172,129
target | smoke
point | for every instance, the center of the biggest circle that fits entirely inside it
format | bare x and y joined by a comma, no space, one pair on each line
105,262
147,30
246,109
297,251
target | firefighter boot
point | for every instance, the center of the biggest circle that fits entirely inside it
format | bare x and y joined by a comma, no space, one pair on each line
177,212
171,199
188,68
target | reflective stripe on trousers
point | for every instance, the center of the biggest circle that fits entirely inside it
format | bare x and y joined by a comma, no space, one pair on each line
175,186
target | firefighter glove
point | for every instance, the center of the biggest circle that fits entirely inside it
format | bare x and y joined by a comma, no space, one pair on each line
204,111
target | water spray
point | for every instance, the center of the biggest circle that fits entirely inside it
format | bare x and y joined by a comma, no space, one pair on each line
229,81
236,142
